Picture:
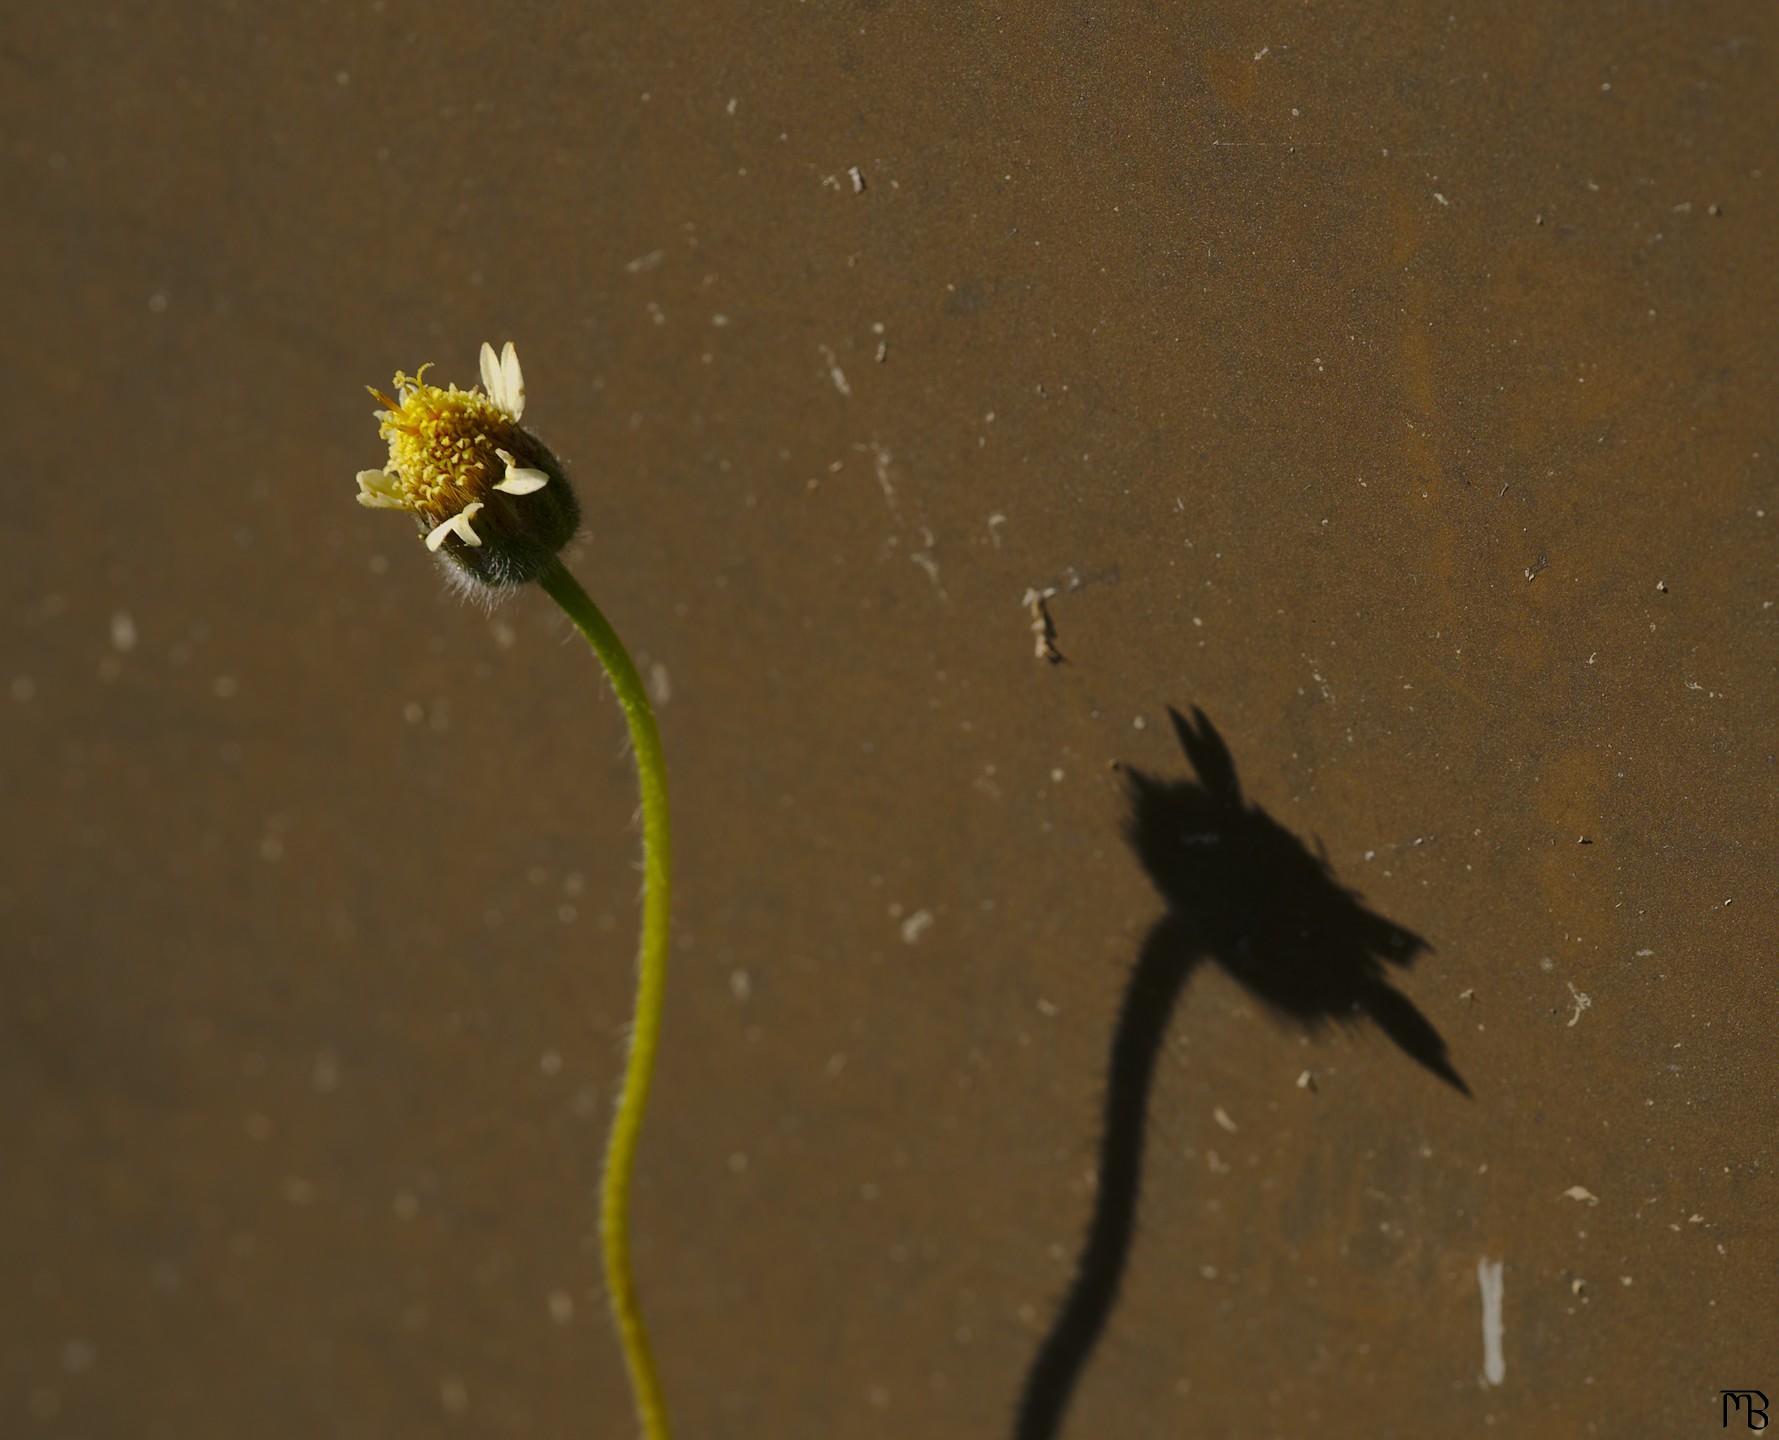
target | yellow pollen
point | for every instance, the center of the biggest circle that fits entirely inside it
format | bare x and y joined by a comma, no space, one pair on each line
442,444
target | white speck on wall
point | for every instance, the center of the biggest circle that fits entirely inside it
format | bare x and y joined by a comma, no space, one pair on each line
924,559
881,460
660,685
1581,1001
123,631
835,373
916,925
1491,1280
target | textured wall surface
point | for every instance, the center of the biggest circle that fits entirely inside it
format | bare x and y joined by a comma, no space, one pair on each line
1401,392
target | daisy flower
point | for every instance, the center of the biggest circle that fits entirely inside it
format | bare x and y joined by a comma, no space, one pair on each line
489,498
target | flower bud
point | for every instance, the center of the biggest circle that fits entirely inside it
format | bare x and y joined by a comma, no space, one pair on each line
490,499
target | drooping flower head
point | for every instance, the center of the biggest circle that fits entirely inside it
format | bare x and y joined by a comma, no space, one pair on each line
490,500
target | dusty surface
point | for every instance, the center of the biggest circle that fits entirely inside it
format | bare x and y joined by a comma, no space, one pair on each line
1400,393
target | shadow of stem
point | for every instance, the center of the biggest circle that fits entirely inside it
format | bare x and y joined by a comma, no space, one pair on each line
1245,894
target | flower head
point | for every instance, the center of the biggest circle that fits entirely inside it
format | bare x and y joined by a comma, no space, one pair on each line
491,501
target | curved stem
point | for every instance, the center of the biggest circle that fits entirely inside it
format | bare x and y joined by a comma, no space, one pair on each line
645,1030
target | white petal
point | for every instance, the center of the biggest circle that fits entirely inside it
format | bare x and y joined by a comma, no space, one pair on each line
490,373
457,525
515,386
378,491
522,481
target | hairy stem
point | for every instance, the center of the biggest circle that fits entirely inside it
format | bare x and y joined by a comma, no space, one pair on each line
651,977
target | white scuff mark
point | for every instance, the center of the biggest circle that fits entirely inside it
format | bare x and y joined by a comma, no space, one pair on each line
1440,198
1043,627
924,558
1321,682
857,176
1581,1001
1221,1116
995,521
1491,1280
1263,52
916,925
1582,1193
123,631
880,467
1306,1081
835,373
642,264
660,684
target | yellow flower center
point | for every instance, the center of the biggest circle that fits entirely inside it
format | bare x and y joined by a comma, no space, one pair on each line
442,443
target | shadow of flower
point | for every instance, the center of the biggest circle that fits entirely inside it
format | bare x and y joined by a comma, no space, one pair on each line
1245,894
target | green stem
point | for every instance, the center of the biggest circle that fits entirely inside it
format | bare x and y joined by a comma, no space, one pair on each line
651,965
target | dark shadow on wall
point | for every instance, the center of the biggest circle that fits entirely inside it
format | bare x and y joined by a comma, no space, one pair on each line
1243,893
